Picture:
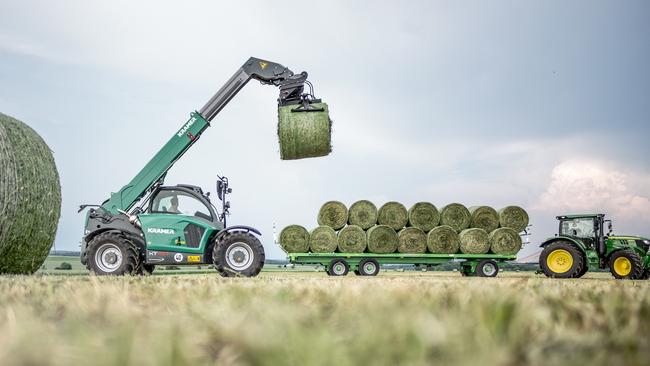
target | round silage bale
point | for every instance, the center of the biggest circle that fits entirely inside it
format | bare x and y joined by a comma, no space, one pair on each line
30,198
412,240
382,239
424,215
484,217
304,134
474,241
363,214
455,215
505,241
513,217
393,214
323,239
352,239
443,240
294,239
333,214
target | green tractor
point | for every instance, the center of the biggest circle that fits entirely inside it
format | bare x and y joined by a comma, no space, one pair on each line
582,244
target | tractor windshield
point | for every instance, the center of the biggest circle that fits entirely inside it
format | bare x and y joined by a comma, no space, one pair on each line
579,228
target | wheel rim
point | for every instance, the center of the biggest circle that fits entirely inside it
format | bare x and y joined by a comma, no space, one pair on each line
489,269
369,268
622,266
239,256
559,261
108,257
338,269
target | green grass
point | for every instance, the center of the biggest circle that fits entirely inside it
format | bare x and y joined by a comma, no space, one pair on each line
299,318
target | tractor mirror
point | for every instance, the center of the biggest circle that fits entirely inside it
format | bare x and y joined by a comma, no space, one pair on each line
220,189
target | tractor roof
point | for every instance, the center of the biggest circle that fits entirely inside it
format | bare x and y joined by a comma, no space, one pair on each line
579,216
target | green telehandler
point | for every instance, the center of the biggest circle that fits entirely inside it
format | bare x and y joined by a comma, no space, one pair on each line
583,244
146,223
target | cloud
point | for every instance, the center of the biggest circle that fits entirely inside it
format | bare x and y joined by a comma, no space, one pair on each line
593,186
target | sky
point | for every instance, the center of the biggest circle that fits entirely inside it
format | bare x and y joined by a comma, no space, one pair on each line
542,104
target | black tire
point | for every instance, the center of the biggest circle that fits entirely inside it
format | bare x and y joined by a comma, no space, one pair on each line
112,246
646,274
338,267
487,268
577,260
585,268
368,267
633,265
147,268
238,254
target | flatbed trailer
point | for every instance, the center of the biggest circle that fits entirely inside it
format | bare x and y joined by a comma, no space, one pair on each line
368,264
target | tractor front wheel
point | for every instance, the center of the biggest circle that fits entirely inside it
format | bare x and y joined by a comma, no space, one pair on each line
562,260
626,265
238,254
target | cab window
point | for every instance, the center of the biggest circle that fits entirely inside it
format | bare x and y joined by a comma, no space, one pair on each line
579,228
179,203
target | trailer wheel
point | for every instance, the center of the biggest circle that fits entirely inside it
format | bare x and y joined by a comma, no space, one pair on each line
369,267
626,265
338,267
487,268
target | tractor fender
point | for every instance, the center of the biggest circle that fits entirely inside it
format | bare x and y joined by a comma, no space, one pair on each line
577,243
223,232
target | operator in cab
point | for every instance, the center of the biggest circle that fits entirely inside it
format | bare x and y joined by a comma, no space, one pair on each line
174,206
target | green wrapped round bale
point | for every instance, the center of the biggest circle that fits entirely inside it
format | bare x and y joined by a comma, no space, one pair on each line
484,217
443,240
513,217
294,239
363,214
424,215
382,239
304,134
504,241
323,240
393,214
412,240
30,198
352,239
455,215
474,241
333,214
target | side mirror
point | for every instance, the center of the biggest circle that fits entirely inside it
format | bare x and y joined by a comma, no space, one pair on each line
220,189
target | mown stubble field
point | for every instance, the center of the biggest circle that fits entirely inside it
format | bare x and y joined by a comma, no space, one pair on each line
310,319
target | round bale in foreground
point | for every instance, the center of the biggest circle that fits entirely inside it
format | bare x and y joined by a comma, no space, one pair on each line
352,239
333,214
304,134
424,215
474,241
484,217
323,239
504,241
443,240
294,239
393,214
363,214
513,217
382,239
30,198
456,216
412,240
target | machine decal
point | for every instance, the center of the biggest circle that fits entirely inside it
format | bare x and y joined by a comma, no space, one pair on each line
155,230
193,258
162,258
178,257
186,127
263,65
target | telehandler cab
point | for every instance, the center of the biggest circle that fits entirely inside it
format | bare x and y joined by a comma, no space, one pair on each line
582,244
146,224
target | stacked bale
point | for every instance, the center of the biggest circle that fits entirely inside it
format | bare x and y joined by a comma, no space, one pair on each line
422,229
30,198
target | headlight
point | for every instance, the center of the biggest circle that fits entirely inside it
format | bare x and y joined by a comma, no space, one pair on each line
647,242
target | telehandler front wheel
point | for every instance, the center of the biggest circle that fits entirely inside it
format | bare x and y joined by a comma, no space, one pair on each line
626,265
238,254
111,253
562,260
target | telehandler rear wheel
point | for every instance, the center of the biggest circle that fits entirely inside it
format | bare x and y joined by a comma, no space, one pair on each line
238,254
562,260
626,265
111,253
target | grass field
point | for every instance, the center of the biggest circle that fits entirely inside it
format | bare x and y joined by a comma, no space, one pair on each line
310,319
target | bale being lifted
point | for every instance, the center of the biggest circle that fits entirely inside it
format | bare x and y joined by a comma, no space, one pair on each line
484,217
424,215
30,198
393,214
513,217
455,215
352,239
412,240
443,240
363,214
474,241
333,214
323,239
294,239
505,241
304,134
382,239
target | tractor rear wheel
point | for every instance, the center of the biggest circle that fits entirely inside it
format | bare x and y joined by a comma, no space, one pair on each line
238,254
626,265
111,253
562,260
